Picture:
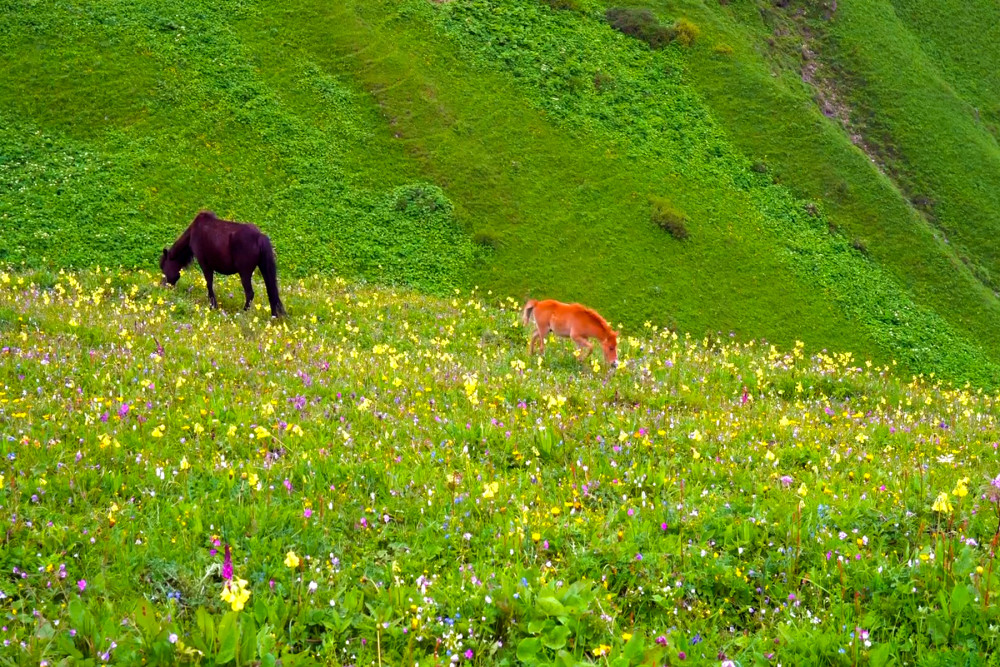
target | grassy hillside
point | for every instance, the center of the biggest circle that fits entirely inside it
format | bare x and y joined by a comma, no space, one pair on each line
395,481
520,148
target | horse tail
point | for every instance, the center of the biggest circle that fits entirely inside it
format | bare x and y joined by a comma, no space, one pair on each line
529,308
269,269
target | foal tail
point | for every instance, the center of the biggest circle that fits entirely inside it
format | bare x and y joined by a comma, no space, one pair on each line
529,308
269,269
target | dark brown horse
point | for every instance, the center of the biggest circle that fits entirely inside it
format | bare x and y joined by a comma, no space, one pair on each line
226,247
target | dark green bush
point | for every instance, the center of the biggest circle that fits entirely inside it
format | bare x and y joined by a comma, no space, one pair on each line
573,5
640,23
603,81
487,240
668,218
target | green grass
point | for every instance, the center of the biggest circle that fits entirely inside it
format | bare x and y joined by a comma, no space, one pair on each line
547,132
398,482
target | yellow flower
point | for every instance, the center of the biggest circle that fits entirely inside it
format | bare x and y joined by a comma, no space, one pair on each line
536,536
158,431
961,490
803,490
942,504
253,479
235,593
491,489
184,463
600,650
291,560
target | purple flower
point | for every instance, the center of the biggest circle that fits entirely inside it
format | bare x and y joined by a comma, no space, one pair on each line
307,512
469,654
682,655
661,640
227,565
82,585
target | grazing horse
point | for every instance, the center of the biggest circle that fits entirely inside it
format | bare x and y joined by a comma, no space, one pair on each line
226,247
573,321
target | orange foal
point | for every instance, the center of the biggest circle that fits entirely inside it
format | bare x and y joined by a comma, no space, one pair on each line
570,320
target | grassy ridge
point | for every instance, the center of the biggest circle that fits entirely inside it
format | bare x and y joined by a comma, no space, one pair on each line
814,156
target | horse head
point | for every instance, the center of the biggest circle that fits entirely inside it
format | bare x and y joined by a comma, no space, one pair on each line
610,347
171,269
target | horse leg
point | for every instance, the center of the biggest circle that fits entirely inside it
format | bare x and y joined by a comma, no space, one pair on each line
209,276
247,278
541,335
584,345
535,338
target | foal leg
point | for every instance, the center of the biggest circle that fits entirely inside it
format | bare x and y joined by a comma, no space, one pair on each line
540,335
209,277
583,343
247,279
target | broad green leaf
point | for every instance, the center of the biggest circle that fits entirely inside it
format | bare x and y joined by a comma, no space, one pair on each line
634,648
145,620
248,639
551,606
556,637
528,649
229,635
960,598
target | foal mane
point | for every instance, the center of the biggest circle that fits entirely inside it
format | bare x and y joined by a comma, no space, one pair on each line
603,323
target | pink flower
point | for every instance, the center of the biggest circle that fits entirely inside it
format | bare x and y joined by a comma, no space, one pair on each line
227,565
82,585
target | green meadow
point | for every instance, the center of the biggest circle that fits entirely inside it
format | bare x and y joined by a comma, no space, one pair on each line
397,482
788,209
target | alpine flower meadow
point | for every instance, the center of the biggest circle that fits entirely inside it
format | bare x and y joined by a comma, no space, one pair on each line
388,478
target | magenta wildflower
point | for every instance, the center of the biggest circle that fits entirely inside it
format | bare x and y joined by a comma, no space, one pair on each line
227,565
307,512
82,585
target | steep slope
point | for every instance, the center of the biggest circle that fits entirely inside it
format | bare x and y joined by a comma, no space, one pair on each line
547,132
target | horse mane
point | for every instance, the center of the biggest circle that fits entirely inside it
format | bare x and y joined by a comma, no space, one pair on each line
181,251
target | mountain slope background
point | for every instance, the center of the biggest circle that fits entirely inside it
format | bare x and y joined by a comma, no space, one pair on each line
835,165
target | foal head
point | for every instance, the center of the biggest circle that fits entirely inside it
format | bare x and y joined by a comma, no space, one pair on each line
610,347
171,268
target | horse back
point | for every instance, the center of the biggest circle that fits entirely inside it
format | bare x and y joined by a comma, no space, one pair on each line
562,318
223,245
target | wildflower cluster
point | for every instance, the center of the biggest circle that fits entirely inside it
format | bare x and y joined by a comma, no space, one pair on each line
387,476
